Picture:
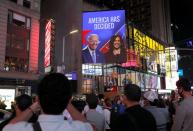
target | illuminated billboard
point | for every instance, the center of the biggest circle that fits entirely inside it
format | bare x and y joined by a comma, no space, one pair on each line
92,69
171,64
145,40
171,61
104,37
148,48
49,45
71,76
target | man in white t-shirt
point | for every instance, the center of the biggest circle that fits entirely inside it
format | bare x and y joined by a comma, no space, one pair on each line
107,113
92,115
54,96
99,109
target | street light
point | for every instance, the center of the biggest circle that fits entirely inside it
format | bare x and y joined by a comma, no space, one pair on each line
63,45
73,31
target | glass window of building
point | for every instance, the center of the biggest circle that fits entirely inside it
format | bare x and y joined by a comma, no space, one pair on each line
18,41
27,3
15,1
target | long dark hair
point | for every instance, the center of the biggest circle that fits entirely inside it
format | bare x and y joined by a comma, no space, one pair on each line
111,43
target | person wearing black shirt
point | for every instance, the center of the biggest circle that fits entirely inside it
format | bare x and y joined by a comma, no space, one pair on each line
135,117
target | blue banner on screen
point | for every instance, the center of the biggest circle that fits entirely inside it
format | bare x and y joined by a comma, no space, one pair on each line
104,37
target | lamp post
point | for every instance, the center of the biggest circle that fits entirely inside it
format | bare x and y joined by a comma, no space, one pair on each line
63,46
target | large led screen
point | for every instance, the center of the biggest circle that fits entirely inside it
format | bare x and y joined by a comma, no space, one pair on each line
104,37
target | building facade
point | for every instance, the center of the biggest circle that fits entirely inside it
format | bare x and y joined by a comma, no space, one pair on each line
150,16
67,16
152,20
19,42
68,46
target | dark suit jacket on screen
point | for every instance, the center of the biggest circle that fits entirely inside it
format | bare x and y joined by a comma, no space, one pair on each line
87,58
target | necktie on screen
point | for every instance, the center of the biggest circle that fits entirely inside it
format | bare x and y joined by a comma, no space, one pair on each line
93,57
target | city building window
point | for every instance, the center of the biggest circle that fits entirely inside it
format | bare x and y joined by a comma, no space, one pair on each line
28,23
17,44
15,1
27,3
18,20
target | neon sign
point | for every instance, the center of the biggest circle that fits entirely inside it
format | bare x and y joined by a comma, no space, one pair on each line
47,44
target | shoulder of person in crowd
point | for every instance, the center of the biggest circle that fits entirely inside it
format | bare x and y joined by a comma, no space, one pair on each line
107,108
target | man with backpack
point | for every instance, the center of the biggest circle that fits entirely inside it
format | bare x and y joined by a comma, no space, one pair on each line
54,94
107,113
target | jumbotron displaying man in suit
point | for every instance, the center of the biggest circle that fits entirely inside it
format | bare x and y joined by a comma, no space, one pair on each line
90,54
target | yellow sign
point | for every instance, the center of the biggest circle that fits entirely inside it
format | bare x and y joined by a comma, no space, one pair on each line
146,41
146,46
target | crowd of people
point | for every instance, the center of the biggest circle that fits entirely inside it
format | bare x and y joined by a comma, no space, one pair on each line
134,110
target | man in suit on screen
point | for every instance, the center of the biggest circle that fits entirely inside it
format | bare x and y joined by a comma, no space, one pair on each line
90,54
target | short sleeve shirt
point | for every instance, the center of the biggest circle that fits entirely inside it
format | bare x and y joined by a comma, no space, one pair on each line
50,123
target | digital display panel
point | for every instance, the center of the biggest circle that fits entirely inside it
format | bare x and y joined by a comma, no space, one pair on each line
104,37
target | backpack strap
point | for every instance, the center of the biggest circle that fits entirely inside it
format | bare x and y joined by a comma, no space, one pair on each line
107,124
110,116
36,126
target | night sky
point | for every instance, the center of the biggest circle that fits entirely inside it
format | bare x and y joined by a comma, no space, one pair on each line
182,19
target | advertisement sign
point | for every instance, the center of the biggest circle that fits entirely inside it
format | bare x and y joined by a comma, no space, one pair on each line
90,69
141,79
49,45
152,81
104,37
149,48
71,76
171,64
146,41
171,61
171,81
7,95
